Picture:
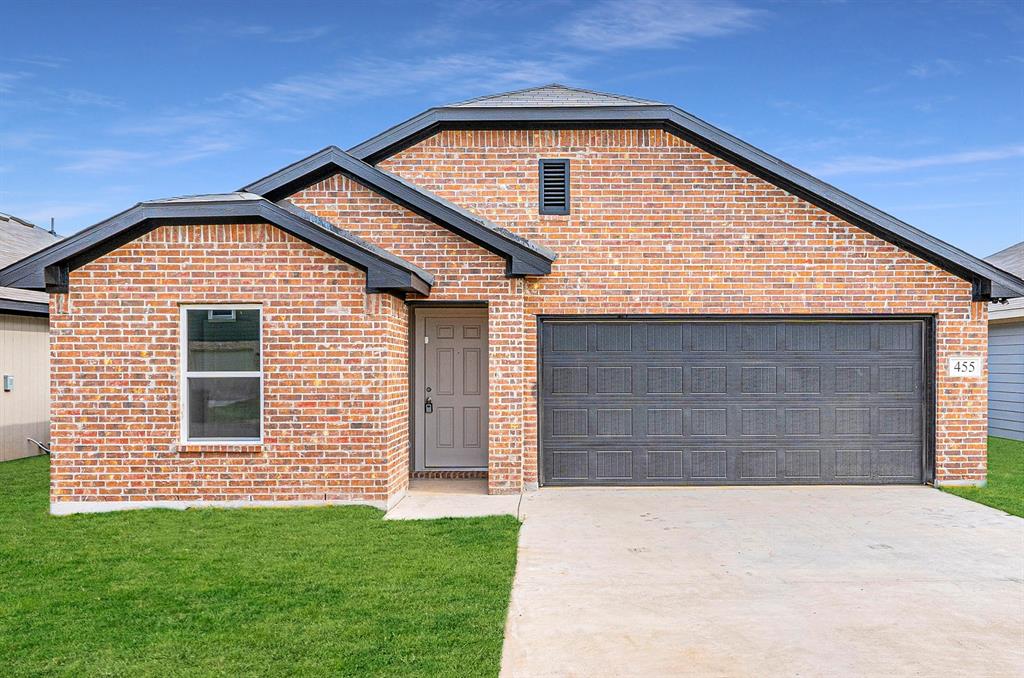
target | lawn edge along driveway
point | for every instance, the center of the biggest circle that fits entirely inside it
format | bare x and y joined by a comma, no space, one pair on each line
301,591
1005,487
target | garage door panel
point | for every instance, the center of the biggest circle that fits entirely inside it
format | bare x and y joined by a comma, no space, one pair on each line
732,402
733,464
897,381
688,422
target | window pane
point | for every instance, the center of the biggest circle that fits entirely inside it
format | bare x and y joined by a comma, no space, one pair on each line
224,407
219,341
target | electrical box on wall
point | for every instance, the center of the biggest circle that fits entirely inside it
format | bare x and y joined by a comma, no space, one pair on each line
8,382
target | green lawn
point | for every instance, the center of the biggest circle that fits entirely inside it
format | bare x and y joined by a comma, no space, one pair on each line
270,592
1005,488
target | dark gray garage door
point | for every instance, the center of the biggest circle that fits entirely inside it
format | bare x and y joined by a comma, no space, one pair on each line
744,402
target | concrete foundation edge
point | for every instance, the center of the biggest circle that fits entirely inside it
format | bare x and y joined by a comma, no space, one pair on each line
64,508
961,483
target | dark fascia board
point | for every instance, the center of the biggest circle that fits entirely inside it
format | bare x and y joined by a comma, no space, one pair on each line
48,269
521,259
33,308
988,281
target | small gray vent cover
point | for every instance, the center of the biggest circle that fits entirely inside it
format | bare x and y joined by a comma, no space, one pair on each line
554,186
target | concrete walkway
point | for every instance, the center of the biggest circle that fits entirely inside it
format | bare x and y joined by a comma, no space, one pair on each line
428,499
813,581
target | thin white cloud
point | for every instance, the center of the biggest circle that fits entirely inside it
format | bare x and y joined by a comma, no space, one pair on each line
271,34
82,97
62,212
934,68
262,32
629,24
8,79
22,139
173,122
103,159
42,61
452,75
118,159
872,164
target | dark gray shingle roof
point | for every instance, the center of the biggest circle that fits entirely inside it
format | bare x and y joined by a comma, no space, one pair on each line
1010,260
552,95
18,239
49,267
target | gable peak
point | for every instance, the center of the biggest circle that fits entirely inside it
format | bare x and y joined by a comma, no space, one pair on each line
553,94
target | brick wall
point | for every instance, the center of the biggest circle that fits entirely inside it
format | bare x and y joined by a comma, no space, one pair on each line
334,374
463,272
660,226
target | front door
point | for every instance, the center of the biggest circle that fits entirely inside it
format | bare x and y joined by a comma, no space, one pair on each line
451,389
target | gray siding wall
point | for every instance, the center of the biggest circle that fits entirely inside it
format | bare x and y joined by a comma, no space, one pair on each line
1006,380
25,410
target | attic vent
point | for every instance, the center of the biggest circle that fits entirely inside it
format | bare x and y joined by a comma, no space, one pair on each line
554,186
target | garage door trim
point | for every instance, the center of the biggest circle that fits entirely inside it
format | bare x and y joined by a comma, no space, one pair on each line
928,359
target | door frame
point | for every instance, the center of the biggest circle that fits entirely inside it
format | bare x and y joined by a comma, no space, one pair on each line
418,309
928,355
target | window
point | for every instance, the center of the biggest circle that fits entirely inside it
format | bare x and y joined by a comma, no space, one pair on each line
554,186
222,381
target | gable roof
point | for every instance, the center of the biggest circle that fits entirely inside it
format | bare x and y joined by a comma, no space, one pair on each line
552,95
522,256
988,281
49,268
24,302
19,238
1010,260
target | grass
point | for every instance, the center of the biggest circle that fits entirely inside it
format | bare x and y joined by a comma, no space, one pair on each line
1005,488
321,592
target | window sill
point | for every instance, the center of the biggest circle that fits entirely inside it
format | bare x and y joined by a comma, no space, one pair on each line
215,446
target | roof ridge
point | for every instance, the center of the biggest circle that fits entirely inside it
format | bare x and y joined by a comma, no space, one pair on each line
485,97
10,217
550,86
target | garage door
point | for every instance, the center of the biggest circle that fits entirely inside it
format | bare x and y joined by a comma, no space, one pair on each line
732,402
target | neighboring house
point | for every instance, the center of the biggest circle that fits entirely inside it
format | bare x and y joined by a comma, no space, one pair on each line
24,350
552,286
1006,354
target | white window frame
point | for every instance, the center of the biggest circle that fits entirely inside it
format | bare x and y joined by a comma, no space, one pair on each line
186,374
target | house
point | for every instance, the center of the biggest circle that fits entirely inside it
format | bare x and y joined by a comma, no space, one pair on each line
1006,354
24,352
548,287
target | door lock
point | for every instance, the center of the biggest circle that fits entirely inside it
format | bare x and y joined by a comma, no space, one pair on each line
428,406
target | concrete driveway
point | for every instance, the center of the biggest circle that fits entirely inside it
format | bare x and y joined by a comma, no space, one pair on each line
812,581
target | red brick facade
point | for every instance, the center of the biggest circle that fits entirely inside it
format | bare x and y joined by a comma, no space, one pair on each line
660,226
334,371
657,226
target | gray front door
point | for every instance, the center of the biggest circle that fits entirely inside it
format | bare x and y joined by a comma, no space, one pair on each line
751,402
451,389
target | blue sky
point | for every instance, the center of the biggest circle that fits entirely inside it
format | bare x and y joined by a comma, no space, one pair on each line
914,107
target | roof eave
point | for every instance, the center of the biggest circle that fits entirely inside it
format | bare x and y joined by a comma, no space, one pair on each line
988,281
15,307
49,268
521,260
